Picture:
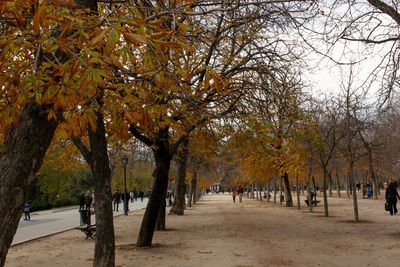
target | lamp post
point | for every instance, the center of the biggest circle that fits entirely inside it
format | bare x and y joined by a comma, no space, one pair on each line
124,161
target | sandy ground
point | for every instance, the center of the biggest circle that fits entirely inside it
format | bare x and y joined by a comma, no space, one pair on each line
218,232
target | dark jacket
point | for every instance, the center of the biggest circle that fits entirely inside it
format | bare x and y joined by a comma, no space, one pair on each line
391,192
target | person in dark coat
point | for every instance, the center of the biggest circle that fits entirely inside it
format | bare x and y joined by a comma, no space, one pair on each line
27,208
117,199
141,195
391,196
88,200
82,201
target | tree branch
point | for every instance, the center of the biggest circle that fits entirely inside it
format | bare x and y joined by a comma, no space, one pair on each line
141,137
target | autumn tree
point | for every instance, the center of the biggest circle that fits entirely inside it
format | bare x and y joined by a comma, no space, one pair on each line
32,65
329,135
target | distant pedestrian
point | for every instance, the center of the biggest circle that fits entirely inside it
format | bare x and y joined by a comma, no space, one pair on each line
240,192
88,200
135,194
82,201
27,208
370,193
391,196
234,193
131,196
141,195
117,199
363,190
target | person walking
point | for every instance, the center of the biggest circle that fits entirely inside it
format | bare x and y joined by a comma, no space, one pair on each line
234,193
27,208
363,190
391,196
117,199
141,195
240,192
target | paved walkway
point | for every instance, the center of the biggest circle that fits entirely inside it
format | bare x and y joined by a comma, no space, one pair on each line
44,223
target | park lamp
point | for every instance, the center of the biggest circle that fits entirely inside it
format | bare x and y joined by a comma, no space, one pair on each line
124,160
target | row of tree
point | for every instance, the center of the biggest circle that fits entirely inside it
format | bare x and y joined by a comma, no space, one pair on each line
188,79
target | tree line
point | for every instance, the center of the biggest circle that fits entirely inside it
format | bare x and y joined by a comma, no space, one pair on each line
95,74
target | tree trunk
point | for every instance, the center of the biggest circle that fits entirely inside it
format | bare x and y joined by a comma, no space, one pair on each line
324,185
256,190
337,183
190,196
355,203
347,186
21,156
330,183
163,160
310,207
288,193
178,206
160,225
261,196
372,172
314,187
194,187
274,190
298,191
268,189
104,250
252,191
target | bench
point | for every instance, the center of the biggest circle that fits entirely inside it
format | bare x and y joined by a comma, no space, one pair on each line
314,202
85,225
89,230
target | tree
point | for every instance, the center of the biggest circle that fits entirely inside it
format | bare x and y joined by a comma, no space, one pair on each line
330,135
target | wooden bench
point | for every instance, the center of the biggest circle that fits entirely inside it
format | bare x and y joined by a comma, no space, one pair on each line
86,226
89,230
314,202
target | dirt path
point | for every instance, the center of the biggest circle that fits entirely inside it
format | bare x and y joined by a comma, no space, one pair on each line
217,232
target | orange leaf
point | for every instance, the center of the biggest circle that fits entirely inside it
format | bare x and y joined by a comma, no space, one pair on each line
134,38
98,38
38,19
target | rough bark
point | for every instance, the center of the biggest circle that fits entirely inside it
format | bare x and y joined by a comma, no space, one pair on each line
337,182
104,251
280,192
324,185
310,207
163,160
353,188
268,189
347,186
372,173
298,191
274,190
330,183
288,193
21,156
160,225
178,206
193,185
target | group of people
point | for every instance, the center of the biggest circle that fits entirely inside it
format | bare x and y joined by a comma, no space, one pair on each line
132,196
86,200
365,190
237,191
